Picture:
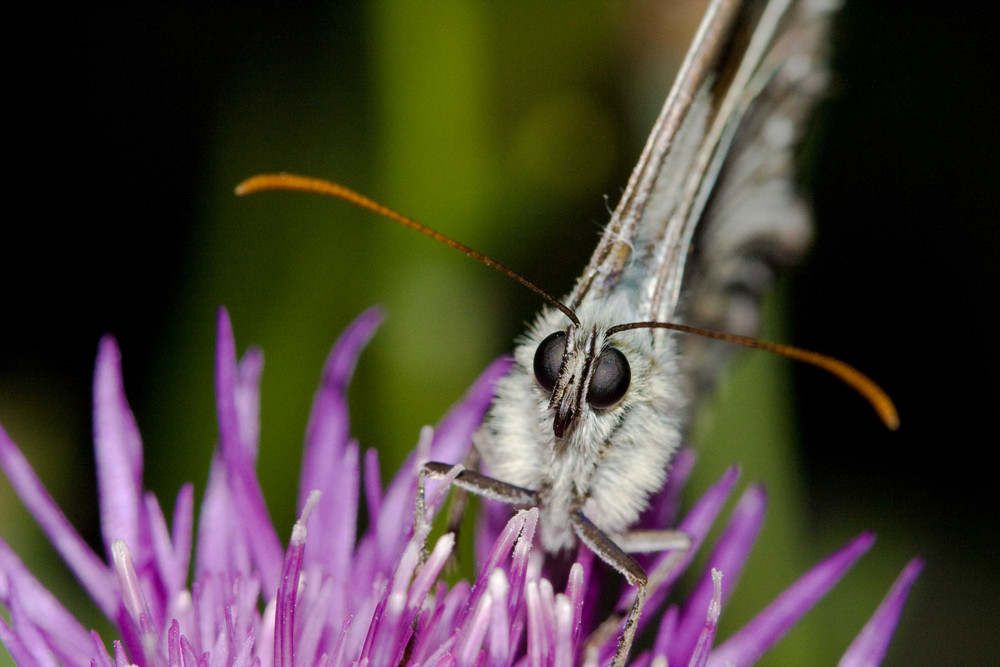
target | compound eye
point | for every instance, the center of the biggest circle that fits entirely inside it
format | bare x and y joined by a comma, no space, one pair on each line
548,359
610,380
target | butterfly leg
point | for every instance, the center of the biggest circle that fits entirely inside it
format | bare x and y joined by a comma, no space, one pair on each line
456,510
482,485
652,541
459,501
470,481
632,542
612,554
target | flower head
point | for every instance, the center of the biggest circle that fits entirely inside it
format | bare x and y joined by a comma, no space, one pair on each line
337,595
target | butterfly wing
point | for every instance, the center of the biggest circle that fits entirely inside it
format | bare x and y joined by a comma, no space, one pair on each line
647,208
712,205
712,212
755,221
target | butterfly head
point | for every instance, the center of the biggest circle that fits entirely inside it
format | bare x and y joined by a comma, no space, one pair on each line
583,370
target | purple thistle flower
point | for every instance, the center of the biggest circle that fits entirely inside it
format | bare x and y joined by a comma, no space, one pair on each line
335,596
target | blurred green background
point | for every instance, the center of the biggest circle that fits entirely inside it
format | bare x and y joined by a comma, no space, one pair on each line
511,127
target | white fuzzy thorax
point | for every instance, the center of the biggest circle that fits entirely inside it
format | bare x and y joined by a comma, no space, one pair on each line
610,462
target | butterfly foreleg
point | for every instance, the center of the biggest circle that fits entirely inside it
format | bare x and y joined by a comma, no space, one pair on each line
607,550
615,551
468,481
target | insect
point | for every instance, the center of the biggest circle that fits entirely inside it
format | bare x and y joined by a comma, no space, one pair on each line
598,401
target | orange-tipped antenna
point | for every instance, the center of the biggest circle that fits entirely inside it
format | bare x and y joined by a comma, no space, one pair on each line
851,376
874,394
322,187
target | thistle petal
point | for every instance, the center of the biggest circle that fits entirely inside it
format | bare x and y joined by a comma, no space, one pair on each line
750,642
284,649
696,524
93,575
118,453
239,457
15,646
707,635
870,645
329,461
728,556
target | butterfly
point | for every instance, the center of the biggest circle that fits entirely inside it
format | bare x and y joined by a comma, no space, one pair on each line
600,395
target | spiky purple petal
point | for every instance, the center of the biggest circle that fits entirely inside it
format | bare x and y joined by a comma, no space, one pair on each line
330,460
38,610
703,646
118,452
92,574
284,634
239,456
869,647
695,524
665,633
728,556
754,638
500,637
15,646
670,565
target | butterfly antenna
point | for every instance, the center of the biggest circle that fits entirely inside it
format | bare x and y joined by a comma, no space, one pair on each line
319,186
874,394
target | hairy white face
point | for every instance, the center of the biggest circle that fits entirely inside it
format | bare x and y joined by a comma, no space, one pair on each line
610,457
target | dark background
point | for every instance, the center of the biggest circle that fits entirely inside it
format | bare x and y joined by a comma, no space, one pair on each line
503,128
